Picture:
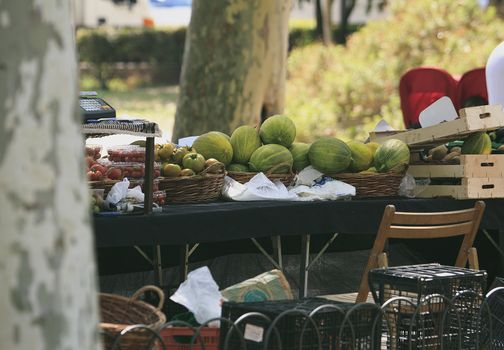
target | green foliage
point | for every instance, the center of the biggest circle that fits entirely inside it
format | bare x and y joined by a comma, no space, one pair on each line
343,91
162,48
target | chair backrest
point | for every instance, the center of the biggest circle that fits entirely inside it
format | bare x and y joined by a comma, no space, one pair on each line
420,87
472,89
412,225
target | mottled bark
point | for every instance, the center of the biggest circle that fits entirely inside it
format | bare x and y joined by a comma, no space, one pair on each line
47,272
234,65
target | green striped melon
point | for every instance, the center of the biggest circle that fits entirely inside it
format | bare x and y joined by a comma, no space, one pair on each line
214,144
477,143
392,155
330,155
269,157
299,151
238,167
373,146
362,158
225,135
278,129
245,140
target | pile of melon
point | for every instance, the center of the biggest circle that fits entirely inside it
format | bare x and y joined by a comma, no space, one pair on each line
271,149
267,149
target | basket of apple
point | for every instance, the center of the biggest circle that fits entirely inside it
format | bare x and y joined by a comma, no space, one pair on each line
187,177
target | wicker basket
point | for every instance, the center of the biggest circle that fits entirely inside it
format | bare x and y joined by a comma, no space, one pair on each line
118,312
204,187
372,184
243,177
104,184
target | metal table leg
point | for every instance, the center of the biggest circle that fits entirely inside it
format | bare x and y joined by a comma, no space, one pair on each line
303,266
158,268
277,250
184,262
149,174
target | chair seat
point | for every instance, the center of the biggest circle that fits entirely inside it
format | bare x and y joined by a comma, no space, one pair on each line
347,297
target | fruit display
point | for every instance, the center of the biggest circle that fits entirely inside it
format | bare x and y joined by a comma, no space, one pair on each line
159,197
238,167
362,156
184,161
393,155
299,151
128,153
477,143
278,129
97,203
93,151
216,145
273,158
120,170
244,140
330,155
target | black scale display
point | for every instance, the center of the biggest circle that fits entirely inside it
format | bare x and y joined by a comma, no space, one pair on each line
94,108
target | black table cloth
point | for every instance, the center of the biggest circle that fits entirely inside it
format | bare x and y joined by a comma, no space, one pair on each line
226,221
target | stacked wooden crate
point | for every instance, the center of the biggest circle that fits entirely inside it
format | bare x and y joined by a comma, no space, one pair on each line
477,176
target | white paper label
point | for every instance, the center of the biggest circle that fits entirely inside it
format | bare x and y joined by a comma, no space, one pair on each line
254,333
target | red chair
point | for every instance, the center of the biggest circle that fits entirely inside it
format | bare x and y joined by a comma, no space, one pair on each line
420,87
472,89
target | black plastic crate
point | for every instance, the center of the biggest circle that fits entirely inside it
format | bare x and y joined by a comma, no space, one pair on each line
493,318
452,319
362,329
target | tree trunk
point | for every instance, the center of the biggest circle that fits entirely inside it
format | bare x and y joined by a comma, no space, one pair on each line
234,65
347,7
319,33
48,284
326,22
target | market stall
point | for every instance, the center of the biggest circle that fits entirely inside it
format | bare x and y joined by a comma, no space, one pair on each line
228,221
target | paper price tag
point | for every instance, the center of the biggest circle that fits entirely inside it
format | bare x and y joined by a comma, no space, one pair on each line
253,333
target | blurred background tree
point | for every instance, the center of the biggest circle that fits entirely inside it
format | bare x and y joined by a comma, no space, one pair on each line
344,91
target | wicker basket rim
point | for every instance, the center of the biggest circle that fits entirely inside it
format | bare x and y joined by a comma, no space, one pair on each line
368,175
190,178
249,173
132,300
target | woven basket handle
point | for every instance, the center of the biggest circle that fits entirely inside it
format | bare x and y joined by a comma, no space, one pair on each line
213,167
278,166
152,288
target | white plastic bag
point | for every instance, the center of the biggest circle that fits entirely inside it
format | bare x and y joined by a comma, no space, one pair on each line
200,294
136,193
259,188
411,187
307,176
118,191
331,190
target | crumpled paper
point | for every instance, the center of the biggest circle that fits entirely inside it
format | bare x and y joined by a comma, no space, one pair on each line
200,294
259,188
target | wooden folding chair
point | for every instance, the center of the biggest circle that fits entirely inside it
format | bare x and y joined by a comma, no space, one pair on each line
412,225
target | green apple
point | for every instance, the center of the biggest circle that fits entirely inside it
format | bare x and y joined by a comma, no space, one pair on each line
187,172
179,154
166,151
194,161
171,170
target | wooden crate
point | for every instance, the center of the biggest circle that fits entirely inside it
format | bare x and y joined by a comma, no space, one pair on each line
479,166
481,176
470,188
473,119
